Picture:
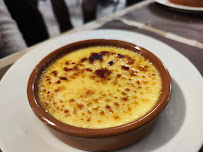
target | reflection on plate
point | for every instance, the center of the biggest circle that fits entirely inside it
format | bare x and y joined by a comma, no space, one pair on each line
178,129
180,7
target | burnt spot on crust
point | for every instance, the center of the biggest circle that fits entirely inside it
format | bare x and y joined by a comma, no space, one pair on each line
125,98
97,56
58,82
104,52
142,68
111,62
72,100
109,108
130,60
75,68
67,69
55,73
124,67
116,104
119,75
67,63
88,69
103,73
89,92
96,109
124,93
120,56
96,101
66,111
80,106
60,88
83,59
116,117
89,104
138,82
107,100
133,73
101,112
63,78
89,112
127,89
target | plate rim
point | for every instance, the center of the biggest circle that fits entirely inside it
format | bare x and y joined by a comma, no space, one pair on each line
107,31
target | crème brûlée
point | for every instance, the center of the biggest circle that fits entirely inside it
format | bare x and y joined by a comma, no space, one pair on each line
99,87
191,3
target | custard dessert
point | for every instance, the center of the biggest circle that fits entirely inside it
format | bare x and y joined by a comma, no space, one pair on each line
99,87
193,3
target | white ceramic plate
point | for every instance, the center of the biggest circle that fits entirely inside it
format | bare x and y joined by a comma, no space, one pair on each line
180,7
178,129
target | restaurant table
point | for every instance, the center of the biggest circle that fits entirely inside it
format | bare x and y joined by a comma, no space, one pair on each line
181,30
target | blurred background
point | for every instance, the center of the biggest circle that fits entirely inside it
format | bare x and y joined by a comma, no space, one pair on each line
24,23
104,8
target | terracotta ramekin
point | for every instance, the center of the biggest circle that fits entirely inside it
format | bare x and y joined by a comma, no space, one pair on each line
99,139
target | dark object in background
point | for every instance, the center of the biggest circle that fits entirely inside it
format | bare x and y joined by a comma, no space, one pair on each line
89,9
62,15
131,2
61,12
29,20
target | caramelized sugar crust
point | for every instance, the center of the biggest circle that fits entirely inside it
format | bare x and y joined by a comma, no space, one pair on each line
99,87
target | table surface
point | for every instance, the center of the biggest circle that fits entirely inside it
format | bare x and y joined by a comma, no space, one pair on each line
182,31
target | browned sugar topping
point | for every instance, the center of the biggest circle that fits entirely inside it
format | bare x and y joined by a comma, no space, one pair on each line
119,70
